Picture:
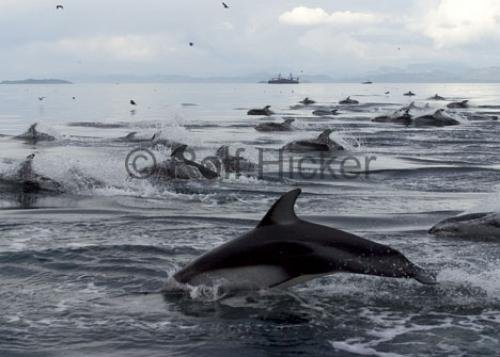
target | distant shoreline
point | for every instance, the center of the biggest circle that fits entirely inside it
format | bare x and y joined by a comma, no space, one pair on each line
37,81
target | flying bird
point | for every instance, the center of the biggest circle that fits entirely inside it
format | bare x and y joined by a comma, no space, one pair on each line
41,98
59,7
191,44
225,5
132,102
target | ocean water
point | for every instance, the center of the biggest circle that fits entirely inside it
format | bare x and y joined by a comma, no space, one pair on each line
72,263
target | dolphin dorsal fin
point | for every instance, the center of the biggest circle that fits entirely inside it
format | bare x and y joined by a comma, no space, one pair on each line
282,211
223,151
131,135
178,152
32,129
325,135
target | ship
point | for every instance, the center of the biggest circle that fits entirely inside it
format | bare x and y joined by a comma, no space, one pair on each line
282,80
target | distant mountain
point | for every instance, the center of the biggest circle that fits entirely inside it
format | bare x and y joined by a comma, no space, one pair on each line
431,74
413,73
37,81
161,78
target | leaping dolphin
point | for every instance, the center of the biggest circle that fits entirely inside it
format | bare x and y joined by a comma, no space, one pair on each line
26,180
178,167
471,225
264,111
269,126
321,143
325,112
458,105
284,250
32,136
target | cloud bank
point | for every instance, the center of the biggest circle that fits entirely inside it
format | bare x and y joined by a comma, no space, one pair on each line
333,37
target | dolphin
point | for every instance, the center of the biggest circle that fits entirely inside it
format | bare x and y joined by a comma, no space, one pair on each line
284,250
438,118
153,141
285,126
473,225
133,138
325,112
458,105
264,111
25,180
178,155
321,143
32,136
436,97
348,100
307,101
409,94
400,116
178,167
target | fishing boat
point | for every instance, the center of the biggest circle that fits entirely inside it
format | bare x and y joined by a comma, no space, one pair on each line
282,80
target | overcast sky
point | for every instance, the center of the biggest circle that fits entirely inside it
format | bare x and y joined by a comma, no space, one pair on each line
334,37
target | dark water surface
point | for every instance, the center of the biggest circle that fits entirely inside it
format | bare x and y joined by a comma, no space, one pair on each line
71,264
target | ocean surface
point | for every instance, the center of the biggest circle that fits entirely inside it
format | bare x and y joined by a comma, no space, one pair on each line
72,263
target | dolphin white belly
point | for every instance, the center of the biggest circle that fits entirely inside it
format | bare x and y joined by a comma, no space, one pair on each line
242,278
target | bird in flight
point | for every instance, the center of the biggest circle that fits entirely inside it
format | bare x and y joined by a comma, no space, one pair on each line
226,6
41,98
132,102
191,44
59,7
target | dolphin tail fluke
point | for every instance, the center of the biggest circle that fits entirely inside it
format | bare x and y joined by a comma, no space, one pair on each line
424,277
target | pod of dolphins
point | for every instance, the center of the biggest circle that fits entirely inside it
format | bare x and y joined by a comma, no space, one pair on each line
282,250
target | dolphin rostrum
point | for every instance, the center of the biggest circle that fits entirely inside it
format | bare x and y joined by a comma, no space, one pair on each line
284,250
